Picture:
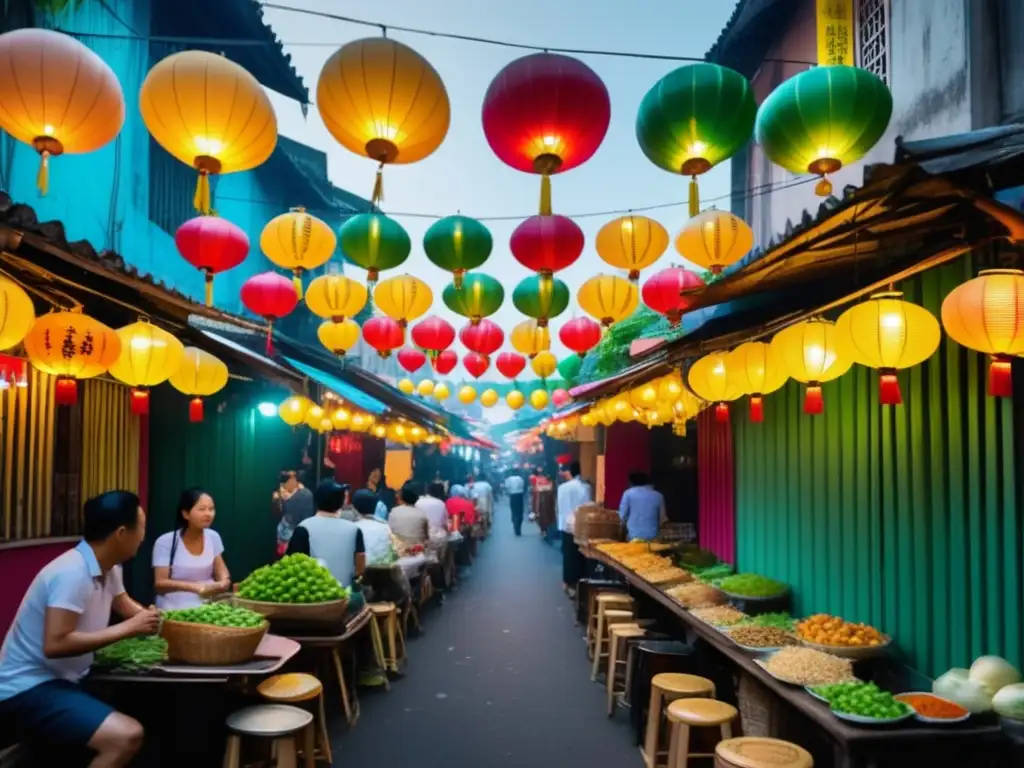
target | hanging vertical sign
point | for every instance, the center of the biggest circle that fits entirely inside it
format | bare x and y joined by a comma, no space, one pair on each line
835,32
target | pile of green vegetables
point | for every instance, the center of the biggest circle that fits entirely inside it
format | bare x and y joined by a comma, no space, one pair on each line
712,573
132,653
296,578
218,615
692,558
782,621
751,585
863,699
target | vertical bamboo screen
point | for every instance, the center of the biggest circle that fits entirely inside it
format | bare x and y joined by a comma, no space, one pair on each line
110,440
26,457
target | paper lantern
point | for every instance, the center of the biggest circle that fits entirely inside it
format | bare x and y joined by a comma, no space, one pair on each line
199,375
381,99
530,338
383,334
664,292
539,399
315,416
670,388
580,335
441,392
632,243
71,346
569,367
510,365
457,244
476,364
270,296
544,364
645,397
293,410
709,378
298,242
361,422
211,244
56,95
467,395
608,299
756,369
546,244
434,334
986,314
888,334
411,359
714,240
379,431
822,119
484,338
445,361
812,353
403,298
480,296
425,388
694,118
621,409
374,242
546,113
339,338
17,314
149,356
210,114
560,398
340,418
541,298
515,399
335,297
406,386
489,398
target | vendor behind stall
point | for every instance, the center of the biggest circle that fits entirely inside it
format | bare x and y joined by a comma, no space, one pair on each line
327,537
188,562
642,508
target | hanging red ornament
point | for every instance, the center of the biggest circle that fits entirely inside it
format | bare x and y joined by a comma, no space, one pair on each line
665,291
434,334
510,364
580,335
411,359
476,363
485,338
271,296
560,398
383,334
546,244
445,362
211,244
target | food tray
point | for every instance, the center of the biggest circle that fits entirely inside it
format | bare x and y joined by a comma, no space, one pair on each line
788,681
857,653
932,720
861,720
815,694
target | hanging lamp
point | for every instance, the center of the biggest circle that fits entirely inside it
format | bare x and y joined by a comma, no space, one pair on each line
714,240
270,296
632,243
336,297
149,356
668,292
71,346
457,244
709,379
212,245
480,296
757,371
608,298
199,375
812,353
541,298
298,242
374,242
403,298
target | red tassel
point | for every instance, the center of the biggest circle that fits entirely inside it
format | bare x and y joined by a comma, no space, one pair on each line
140,402
270,338
1000,377
756,409
195,409
889,389
722,413
65,392
814,402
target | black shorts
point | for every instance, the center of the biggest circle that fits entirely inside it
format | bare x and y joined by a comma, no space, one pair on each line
54,713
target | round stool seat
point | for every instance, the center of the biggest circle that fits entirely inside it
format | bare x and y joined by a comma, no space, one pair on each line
701,713
627,630
269,720
756,752
382,609
295,686
614,597
684,685
618,614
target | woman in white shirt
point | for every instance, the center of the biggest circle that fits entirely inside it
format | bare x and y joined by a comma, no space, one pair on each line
188,562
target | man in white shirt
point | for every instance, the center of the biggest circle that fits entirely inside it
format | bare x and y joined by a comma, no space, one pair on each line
482,494
515,487
433,505
571,495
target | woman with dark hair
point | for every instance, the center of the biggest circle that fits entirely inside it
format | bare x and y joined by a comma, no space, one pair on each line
188,562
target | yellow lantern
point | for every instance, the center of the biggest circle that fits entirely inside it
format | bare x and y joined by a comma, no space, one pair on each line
341,418
757,370
406,387
361,422
608,299
467,395
403,298
379,431
645,397
441,392
425,388
16,312
315,416
56,95
293,410
380,99
199,375
515,400
326,425
709,378
888,334
210,113
539,399
620,408
604,413
588,419
488,398
530,339
416,434
812,353
71,346
335,297
544,364
298,242
632,243
338,337
398,433
715,239
149,356
670,388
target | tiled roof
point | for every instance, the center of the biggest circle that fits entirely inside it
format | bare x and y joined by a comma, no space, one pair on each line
750,33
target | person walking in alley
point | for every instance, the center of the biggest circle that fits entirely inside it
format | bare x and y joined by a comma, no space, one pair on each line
292,503
515,487
571,495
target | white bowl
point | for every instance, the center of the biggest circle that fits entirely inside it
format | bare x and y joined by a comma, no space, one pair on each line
856,652
861,720
933,720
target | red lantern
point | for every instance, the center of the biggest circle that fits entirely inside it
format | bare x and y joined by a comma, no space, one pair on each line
546,113
411,359
271,296
476,363
213,245
510,364
664,292
485,338
382,333
560,398
580,335
433,334
445,362
546,244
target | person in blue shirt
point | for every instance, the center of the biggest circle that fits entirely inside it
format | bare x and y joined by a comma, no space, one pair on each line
642,508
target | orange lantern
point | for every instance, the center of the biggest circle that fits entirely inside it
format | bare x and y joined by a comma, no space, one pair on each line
714,240
149,356
336,297
757,370
16,313
631,243
338,337
71,346
298,242
200,375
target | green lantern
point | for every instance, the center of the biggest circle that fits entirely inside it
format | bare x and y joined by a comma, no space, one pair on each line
694,118
374,242
569,368
458,244
541,298
823,119
480,296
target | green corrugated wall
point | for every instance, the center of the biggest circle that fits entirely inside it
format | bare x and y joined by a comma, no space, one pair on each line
908,518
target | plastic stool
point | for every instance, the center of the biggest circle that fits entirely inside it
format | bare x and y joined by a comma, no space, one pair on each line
294,688
279,722
685,714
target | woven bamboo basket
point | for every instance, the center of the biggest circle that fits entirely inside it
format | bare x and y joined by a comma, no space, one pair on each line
595,522
330,612
758,712
209,645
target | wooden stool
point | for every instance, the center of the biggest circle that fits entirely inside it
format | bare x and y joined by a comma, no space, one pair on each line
756,752
605,600
618,635
606,620
388,613
667,688
297,687
685,714
279,722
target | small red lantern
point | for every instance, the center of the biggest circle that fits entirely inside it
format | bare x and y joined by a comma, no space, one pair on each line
476,363
580,335
485,338
213,245
445,361
382,333
411,359
546,244
510,364
665,291
560,398
434,335
271,296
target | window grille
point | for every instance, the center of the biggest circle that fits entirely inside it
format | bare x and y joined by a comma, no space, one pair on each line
873,37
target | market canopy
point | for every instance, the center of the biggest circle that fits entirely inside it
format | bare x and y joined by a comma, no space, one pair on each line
344,390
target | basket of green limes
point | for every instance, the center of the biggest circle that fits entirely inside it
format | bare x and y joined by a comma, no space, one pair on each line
296,588
212,634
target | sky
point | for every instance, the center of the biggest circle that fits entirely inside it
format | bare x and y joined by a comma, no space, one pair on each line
463,175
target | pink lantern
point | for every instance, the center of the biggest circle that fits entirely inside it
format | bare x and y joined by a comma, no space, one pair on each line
271,296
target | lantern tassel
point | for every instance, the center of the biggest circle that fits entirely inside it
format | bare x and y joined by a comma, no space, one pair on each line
889,389
1000,377
209,288
43,176
270,338
814,401
65,392
201,201
297,282
545,195
722,413
378,187
195,410
694,197
140,402
756,409
823,188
